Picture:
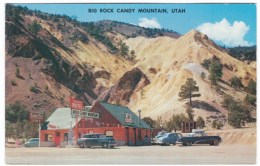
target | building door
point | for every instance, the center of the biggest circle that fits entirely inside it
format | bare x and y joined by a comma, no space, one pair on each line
127,135
66,137
57,138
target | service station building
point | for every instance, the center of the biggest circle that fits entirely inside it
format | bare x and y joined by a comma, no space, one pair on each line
112,120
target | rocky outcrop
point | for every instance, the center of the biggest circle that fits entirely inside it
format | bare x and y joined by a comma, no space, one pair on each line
121,92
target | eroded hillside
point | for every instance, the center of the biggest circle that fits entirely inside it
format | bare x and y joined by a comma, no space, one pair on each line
65,57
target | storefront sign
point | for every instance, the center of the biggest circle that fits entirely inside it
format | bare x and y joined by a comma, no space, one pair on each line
36,117
51,126
128,118
75,113
87,114
76,104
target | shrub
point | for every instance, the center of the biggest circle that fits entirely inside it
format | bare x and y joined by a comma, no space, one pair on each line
251,87
236,82
17,72
250,100
34,27
217,124
33,89
200,122
46,87
13,82
206,63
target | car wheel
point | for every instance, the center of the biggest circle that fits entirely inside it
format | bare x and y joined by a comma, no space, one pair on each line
112,146
216,142
189,143
88,146
167,143
105,145
184,144
81,145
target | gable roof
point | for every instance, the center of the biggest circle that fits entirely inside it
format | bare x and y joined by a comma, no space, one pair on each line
61,118
119,113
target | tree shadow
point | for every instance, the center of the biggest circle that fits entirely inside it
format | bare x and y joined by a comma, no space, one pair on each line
49,94
205,106
20,77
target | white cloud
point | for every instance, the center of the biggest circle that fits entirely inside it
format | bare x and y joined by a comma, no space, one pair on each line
225,33
149,23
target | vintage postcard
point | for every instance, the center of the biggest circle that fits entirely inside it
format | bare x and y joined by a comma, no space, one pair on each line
130,83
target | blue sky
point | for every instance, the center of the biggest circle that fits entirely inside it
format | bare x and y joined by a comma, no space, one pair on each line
227,24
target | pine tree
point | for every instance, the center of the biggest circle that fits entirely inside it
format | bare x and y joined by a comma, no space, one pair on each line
34,27
188,90
215,71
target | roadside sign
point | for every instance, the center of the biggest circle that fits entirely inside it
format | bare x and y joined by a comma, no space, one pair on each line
75,113
36,117
87,114
76,104
128,118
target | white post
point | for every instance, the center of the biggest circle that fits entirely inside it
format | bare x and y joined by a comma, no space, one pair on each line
39,135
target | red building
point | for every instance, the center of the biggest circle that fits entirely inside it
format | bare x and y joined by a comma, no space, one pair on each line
111,120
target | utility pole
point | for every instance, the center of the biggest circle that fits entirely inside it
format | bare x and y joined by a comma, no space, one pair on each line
139,119
39,134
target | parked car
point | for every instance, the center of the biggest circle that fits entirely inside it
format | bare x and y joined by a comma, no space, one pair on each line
159,134
33,142
168,138
199,137
94,139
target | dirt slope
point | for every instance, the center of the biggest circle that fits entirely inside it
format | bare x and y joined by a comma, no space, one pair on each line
168,62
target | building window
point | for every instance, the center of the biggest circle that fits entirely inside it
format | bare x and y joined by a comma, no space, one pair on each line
49,137
109,133
46,137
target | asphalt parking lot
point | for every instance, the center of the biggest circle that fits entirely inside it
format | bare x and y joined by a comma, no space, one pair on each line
196,154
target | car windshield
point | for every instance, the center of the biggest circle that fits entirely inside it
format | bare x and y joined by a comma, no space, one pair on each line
191,135
166,134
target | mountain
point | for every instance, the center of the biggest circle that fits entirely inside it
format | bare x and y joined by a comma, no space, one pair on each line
243,53
50,57
172,62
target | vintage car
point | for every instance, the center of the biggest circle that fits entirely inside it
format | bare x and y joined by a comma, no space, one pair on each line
95,139
199,137
159,134
33,142
168,138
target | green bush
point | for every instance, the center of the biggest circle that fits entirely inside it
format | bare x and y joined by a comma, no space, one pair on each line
33,89
13,82
250,100
236,82
217,124
251,87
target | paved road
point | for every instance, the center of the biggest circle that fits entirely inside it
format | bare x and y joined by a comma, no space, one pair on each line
198,154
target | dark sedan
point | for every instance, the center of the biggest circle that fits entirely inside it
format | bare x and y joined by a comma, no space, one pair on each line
94,139
199,138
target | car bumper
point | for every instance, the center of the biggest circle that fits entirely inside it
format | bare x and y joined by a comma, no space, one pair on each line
112,144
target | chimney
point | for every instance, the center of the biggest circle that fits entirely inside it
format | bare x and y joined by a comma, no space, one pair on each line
139,116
